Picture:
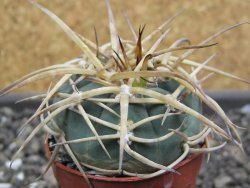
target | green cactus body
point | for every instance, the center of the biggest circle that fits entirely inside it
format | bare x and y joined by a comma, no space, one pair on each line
163,152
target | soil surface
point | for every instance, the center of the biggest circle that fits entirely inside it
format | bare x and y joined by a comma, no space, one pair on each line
227,168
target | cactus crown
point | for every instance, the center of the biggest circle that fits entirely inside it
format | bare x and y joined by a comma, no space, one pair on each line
121,108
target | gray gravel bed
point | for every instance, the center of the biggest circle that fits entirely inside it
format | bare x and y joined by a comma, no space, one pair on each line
230,167
31,162
227,168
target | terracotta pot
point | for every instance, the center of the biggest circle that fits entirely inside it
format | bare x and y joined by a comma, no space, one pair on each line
188,168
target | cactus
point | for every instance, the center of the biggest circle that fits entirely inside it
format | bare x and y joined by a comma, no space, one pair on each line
124,109
142,127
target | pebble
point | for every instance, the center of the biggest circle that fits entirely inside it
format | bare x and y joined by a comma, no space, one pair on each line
34,185
34,159
5,185
222,181
12,146
248,167
239,175
1,146
15,165
20,176
6,111
1,176
3,120
245,109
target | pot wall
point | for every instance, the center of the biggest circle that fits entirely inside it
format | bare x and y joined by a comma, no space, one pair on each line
189,170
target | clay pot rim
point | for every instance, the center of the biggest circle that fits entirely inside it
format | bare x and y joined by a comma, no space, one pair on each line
117,179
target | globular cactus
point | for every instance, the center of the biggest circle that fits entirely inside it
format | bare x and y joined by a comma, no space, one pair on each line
121,128
124,109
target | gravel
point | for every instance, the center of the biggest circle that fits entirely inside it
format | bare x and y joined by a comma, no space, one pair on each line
31,162
227,168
